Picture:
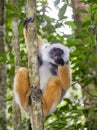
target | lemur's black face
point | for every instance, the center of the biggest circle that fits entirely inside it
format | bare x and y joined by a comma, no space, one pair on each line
56,54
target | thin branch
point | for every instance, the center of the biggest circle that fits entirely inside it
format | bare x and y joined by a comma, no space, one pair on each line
3,71
16,46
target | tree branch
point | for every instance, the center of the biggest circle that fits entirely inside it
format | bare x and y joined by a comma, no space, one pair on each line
16,47
3,70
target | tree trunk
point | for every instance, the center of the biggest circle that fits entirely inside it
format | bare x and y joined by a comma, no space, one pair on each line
77,5
3,71
36,117
16,46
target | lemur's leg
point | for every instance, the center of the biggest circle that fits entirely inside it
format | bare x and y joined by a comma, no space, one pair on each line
65,75
21,88
52,95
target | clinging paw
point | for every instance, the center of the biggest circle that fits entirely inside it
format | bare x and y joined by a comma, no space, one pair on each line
28,20
36,93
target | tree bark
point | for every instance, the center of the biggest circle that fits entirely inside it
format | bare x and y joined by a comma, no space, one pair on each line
77,5
3,71
36,117
16,46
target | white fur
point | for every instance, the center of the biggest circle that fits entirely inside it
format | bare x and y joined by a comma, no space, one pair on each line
53,108
16,96
17,99
45,50
45,74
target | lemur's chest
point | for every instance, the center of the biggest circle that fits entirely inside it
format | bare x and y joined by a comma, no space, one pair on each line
46,71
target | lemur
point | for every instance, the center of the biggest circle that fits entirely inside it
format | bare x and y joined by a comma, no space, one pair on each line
55,76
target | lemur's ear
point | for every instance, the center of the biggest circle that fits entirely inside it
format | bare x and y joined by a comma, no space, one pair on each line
40,41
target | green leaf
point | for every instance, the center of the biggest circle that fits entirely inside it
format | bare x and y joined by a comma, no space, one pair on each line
10,109
13,15
58,25
3,58
21,26
71,24
1,119
62,11
93,92
11,7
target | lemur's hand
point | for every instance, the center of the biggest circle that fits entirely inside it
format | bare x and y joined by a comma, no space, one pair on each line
28,20
59,61
33,93
36,93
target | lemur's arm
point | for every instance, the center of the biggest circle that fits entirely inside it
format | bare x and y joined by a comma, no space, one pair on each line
65,75
52,94
39,39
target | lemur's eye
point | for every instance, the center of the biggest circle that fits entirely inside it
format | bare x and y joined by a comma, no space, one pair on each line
58,51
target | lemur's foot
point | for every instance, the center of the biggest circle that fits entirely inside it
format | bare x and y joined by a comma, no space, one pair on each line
33,93
36,93
28,20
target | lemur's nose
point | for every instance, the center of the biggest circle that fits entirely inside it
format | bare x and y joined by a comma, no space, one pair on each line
57,57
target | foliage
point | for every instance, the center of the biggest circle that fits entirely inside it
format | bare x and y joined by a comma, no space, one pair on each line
70,115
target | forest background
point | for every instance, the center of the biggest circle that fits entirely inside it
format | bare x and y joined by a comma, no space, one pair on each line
79,109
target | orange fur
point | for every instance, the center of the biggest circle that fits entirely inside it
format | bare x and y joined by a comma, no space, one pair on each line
21,86
51,94
64,75
39,39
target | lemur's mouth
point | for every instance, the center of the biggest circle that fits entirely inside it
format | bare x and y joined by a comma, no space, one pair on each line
56,57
